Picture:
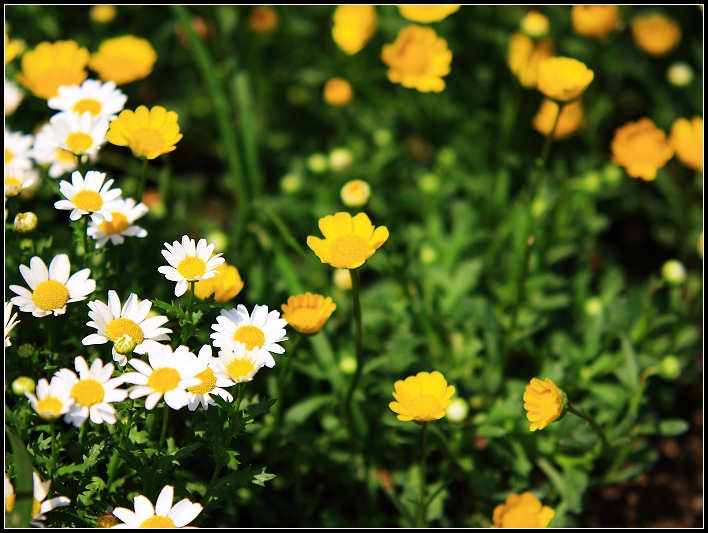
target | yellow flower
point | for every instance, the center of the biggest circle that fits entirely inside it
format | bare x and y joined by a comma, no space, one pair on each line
13,48
263,19
595,21
353,27
308,312
535,24
656,34
123,59
545,403
103,14
50,65
522,511
641,148
524,56
418,59
427,14
224,286
338,92
148,134
571,118
422,398
687,140
349,241
355,193
563,78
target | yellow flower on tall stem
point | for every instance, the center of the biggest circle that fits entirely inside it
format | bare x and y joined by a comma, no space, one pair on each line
544,403
524,56
308,312
656,34
353,26
641,148
427,14
563,79
522,511
123,59
569,121
51,65
687,139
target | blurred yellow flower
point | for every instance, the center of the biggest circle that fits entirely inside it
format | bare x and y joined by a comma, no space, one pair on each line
308,312
349,241
338,92
418,59
263,19
563,78
571,118
148,133
656,34
641,148
103,14
353,26
123,59
342,279
13,48
687,139
535,24
422,398
224,286
427,14
524,55
355,193
544,403
595,21
50,65
522,511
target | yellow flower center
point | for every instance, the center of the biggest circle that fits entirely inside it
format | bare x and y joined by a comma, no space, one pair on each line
191,267
158,521
348,250
65,156
8,155
87,392
413,59
9,503
87,104
88,200
50,295
118,224
163,380
424,407
251,336
49,407
36,507
208,382
146,142
78,142
240,368
13,186
121,326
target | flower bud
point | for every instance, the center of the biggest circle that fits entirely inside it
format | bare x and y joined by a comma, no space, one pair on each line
679,74
342,279
25,222
23,384
347,365
125,344
25,351
355,193
317,163
673,272
457,410
429,183
291,183
535,24
593,307
340,159
669,367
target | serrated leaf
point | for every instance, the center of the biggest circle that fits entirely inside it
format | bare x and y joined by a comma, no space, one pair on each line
260,408
164,305
260,479
166,463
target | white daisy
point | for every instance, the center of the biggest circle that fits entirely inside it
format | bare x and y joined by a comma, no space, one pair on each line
10,322
112,322
162,515
99,99
239,364
93,391
121,225
50,290
169,374
211,383
40,504
89,196
17,179
189,262
259,330
18,149
13,97
80,134
53,399
47,152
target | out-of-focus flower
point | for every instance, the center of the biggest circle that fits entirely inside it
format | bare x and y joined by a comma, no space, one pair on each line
19,179
687,139
25,222
10,322
13,48
342,279
457,410
353,26
18,149
340,159
81,134
189,262
51,65
422,398
571,118
563,78
595,21
47,151
338,92
418,59
89,195
524,55
52,400
13,97
308,312
641,148
148,133
317,163
427,14
224,286
656,34
522,511
123,59
162,515
544,403
103,14
355,193
535,24
673,272
240,364
679,74
263,19
125,212
23,384
102,100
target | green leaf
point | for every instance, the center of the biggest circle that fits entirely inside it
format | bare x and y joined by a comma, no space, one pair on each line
167,307
24,484
302,410
260,408
260,479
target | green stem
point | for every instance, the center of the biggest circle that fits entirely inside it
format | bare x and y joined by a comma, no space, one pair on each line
594,425
188,314
283,382
163,432
85,219
523,276
53,458
141,181
358,337
422,502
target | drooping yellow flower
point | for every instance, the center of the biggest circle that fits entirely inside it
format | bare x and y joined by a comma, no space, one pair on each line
544,403
524,55
224,286
349,241
687,140
571,118
263,19
50,65
595,21
308,312
418,59
522,511
563,78
427,14
353,26
148,133
641,148
338,92
535,24
123,59
656,34
422,398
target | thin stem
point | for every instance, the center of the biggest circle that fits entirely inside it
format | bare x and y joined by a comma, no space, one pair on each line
141,181
163,433
594,425
85,219
188,312
422,502
358,337
53,459
283,382
523,276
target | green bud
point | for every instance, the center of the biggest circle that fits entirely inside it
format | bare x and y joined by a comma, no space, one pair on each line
457,410
429,183
25,222
340,159
673,272
593,307
291,183
125,344
428,254
317,163
26,351
669,367
347,365
23,384
382,137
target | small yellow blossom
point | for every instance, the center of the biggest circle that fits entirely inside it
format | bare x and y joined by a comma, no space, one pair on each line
656,34
338,92
535,24
355,193
522,511
687,139
103,14
148,133
51,65
427,14
308,312
353,26
544,403
595,21
224,286
422,398
123,59
571,118
263,19
563,78
524,55
342,279
641,148
13,48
